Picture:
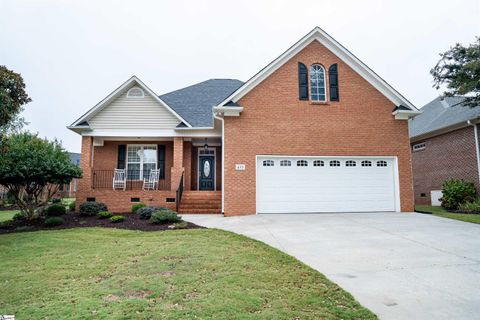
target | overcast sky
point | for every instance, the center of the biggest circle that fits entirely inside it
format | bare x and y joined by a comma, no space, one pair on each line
72,54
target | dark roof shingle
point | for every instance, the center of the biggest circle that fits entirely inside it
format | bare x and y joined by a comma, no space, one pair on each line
194,103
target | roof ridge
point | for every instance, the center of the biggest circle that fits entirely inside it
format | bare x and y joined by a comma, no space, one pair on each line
198,83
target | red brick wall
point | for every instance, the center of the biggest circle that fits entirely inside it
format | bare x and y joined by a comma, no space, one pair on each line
275,121
448,156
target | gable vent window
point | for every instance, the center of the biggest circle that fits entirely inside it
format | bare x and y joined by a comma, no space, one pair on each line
351,163
135,92
268,163
302,163
317,83
366,163
285,163
381,163
318,163
334,163
419,146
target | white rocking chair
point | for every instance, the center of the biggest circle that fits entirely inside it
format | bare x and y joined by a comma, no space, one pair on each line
119,179
152,182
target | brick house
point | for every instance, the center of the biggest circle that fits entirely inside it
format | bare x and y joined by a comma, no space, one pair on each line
316,130
444,141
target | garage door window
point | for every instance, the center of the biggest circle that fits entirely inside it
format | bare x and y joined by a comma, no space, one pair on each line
381,163
334,163
302,163
366,163
285,163
351,163
318,163
268,163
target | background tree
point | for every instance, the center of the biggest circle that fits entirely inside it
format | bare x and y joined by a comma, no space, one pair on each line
32,169
459,68
12,99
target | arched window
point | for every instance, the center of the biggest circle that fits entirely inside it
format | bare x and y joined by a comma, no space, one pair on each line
317,83
351,163
268,163
302,163
318,163
285,163
366,163
381,163
135,92
334,163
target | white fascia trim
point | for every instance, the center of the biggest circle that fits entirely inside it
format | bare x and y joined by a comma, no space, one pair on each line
195,128
325,39
228,111
405,114
151,133
99,106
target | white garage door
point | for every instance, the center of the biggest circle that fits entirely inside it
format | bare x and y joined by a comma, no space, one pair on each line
325,184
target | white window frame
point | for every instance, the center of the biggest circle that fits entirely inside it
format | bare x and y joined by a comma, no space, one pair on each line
337,163
364,163
133,97
382,163
285,163
268,163
350,163
419,146
141,161
318,163
317,88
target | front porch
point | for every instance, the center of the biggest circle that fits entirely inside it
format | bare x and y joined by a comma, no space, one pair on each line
188,179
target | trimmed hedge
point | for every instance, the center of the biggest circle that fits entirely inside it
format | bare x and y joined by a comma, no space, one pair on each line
165,216
116,219
104,215
53,221
55,210
92,208
137,206
146,212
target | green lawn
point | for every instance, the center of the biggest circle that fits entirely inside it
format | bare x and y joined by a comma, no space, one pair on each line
439,211
184,274
7,215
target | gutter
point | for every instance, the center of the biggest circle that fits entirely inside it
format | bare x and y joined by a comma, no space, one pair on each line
477,148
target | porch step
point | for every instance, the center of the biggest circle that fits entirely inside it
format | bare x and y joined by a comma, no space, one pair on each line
201,202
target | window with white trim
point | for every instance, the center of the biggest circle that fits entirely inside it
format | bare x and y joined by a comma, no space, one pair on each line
366,163
140,160
135,92
351,163
317,83
334,163
302,163
381,163
268,163
318,163
418,146
285,163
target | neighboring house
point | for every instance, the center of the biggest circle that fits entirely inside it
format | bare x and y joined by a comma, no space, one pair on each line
316,130
69,190
444,141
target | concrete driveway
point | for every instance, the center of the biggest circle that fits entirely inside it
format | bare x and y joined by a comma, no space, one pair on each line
400,266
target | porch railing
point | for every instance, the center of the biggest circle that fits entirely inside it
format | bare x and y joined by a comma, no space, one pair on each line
103,179
179,193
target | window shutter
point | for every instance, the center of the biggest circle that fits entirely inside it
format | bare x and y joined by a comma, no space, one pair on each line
121,156
302,81
161,160
333,80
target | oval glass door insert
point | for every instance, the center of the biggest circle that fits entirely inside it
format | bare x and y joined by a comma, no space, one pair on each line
206,168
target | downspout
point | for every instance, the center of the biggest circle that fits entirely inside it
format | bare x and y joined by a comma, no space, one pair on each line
475,132
223,160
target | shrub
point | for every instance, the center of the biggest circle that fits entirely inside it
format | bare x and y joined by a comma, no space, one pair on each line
104,215
6,224
91,208
470,206
71,206
181,225
56,200
164,216
19,216
55,210
456,192
116,219
146,212
137,206
53,221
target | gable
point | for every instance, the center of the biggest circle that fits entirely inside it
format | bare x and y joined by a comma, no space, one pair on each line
132,113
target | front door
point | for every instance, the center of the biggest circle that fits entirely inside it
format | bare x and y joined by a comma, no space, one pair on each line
207,173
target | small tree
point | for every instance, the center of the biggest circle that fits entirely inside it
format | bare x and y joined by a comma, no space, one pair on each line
32,169
459,68
12,99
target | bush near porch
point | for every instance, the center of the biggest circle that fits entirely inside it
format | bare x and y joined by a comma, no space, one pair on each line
207,274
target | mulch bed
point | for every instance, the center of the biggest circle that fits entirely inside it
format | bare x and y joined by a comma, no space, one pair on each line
74,220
